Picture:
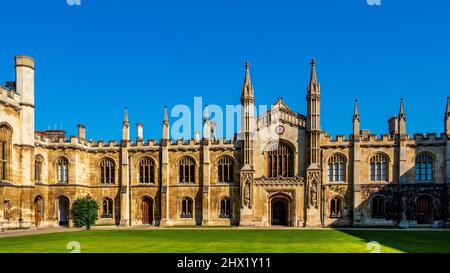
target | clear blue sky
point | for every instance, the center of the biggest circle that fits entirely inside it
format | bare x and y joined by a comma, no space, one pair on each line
93,59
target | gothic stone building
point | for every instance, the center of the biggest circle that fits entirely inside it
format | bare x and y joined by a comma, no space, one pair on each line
306,178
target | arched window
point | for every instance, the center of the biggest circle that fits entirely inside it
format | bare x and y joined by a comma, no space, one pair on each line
107,171
63,170
107,208
424,167
378,207
187,170
38,163
225,208
186,207
336,207
225,170
147,170
5,152
7,210
379,168
336,168
281,161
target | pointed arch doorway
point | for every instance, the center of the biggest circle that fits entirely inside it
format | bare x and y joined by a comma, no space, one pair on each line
424,210
38,210
147,210
63,210
279,211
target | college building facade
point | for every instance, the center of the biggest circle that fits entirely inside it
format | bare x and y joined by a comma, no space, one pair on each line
298,176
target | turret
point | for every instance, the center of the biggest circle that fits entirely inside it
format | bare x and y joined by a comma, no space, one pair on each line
313,119
247,101
25,87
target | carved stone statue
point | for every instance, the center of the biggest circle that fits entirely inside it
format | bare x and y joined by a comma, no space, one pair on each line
247,194
246,191
313,193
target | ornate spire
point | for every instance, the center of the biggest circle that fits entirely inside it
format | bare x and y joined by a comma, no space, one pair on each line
356,111
402,118
247,88
125,126
165,126
401,114
125,118
206,124
313,87
166,116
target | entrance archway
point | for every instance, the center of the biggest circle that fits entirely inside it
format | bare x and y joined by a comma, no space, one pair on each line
279,211
147,210
424,210
63,210
38,210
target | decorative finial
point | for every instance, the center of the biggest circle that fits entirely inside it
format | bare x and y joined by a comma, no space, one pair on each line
313,61
247,65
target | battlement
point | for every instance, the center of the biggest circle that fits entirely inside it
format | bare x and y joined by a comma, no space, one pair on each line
430,137
9,96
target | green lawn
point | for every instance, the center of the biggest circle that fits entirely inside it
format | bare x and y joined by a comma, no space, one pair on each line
232,240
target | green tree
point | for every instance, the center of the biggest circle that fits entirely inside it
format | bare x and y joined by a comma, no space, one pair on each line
84,212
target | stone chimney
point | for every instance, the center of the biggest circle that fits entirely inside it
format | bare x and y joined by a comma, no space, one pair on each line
81,132
393,125
140,131
197,136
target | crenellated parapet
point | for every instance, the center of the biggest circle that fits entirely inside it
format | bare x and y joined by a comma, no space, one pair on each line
429,139
9,97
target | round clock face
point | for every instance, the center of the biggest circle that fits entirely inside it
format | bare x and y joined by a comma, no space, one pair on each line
279,130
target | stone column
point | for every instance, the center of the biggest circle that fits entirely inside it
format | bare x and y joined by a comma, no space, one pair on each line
165,217
124,185
357,202
206,193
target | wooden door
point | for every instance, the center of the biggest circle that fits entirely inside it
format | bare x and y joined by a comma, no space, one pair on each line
147,211
38,211
424,210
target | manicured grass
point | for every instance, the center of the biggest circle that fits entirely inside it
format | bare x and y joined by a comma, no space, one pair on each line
231,240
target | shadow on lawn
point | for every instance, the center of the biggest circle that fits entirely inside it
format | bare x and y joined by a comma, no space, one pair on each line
409,241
